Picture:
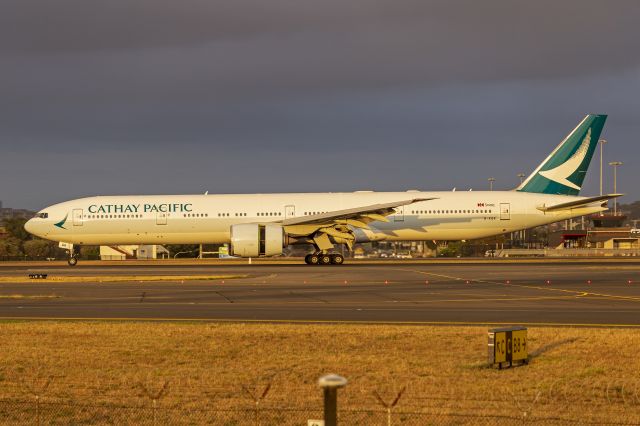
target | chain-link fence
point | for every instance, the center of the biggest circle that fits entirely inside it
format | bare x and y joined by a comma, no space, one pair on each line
54,413
45,402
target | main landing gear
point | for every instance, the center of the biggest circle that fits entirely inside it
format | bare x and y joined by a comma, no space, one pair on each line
324,259
74,254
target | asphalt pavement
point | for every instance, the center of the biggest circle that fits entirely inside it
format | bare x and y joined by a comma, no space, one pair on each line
590,293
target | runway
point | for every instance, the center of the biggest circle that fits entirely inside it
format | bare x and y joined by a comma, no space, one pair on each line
594,293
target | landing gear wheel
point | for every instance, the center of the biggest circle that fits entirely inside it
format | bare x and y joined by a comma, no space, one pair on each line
73,261
314,259
307,259
337,259
325,259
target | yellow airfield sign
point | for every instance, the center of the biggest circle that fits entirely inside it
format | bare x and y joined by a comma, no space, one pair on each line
508,345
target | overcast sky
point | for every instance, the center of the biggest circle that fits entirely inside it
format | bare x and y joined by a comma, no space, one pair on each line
187,96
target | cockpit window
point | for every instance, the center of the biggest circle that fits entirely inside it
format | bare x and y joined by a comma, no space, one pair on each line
42,215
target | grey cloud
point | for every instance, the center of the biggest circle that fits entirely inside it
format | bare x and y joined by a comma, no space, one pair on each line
466,38
112,96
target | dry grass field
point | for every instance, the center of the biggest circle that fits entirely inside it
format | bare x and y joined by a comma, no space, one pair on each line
574,374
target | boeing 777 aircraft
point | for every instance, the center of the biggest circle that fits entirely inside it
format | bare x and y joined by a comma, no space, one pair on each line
263,224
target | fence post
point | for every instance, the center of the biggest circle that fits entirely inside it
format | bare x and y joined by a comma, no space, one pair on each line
331,383
36,391
389,405
38,410
154,397
256,400
155,406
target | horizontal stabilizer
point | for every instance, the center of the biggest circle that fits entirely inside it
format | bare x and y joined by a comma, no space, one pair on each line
582,202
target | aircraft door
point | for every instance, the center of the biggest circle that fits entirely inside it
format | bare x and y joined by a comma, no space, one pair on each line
289,211
161,218
77,217
505,211
399,214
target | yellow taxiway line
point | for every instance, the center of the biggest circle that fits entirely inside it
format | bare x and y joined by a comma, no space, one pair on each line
577,293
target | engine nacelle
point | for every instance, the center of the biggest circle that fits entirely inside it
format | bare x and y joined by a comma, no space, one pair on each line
254,240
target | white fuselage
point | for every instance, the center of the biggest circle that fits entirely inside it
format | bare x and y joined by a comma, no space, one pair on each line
194,219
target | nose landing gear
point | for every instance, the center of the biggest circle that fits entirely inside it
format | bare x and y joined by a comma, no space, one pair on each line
74,254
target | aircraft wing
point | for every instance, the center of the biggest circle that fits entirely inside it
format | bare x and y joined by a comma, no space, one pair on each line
583,202
328,228
363,214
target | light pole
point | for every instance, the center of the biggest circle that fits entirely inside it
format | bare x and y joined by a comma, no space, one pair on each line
491,180
522,232
615,165
602,142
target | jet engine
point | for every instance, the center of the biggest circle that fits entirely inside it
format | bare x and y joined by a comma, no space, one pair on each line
253,240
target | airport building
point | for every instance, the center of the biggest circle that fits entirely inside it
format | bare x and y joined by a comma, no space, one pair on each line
606,232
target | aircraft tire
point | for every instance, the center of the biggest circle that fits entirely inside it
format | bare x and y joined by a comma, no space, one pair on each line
326,259
73,261
314,259
337,259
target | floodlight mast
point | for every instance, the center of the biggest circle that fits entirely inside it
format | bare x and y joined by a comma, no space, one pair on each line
615,165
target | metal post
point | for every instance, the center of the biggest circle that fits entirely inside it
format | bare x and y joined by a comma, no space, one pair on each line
155,406
330,406
615,165
602,142
38,410
331,383
491,180
615,189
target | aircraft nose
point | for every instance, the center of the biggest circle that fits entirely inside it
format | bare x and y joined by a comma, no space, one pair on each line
29,226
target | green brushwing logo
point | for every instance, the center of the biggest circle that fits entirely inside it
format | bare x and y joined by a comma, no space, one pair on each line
563,172
62,222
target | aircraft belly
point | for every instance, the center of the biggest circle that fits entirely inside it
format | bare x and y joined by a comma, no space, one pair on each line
147,238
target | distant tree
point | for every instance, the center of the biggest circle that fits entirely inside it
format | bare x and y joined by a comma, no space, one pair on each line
451,249
632,210
37,248
10,246
187,250
90,252
15,228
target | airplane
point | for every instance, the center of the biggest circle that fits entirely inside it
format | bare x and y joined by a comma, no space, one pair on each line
257,225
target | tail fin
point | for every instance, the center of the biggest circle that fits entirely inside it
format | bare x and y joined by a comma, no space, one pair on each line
563,171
